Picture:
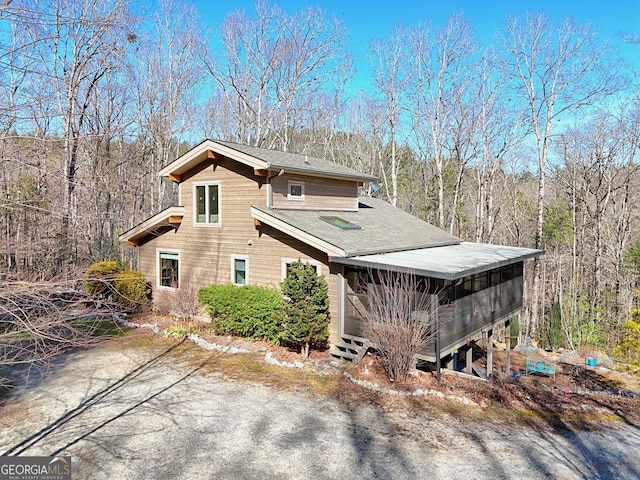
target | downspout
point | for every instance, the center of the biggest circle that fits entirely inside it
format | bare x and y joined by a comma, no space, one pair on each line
269,190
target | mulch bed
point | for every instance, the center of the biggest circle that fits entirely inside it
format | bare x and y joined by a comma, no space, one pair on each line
282,354
564,396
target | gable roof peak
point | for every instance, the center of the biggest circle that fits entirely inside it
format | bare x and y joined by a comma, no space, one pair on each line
261,159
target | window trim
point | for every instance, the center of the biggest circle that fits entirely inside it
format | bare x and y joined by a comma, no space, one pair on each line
288,261
159,252
292,183
195,204
246,269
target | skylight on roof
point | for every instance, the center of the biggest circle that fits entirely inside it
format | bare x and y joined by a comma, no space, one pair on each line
340,222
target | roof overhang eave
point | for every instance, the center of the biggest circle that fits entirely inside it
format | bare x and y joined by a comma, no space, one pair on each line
367,261
336,175
200,152
168,217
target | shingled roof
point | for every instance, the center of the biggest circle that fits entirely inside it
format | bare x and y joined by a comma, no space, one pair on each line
262,159
376,227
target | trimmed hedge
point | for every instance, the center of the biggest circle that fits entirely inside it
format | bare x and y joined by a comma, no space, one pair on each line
248,311
131,288
99,278
108,279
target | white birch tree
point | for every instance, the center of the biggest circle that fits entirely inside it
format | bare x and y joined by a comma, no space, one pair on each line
271,66
555,69
442,72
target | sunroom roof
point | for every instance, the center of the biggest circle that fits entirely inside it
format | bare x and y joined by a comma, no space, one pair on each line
448,262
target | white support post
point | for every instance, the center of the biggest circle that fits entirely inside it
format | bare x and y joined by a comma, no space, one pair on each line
469,359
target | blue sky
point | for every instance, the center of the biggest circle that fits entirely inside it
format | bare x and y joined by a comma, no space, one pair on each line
368,19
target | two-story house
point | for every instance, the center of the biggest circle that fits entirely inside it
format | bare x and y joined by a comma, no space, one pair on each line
245,213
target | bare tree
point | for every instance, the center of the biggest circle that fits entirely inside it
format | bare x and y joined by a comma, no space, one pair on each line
103,204
496,126
555,70
597,176
166,77
270,67
401,319
362,145
442,73
38,323
389,59
77,43
14,59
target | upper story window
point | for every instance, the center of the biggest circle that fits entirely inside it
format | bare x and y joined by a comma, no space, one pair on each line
207,204
295,191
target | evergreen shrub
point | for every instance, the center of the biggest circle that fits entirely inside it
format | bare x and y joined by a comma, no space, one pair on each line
99,277
249,311
131,288
306,307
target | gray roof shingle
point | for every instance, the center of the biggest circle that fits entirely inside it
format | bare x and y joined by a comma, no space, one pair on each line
383,228
299,163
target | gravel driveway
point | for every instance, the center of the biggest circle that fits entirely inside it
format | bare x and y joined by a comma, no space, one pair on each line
144,414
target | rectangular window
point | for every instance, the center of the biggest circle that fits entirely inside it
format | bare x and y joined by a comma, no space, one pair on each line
480,282
207,204
169,270
518,269
296,191
358,280
463,287
239,270
495,277
506,273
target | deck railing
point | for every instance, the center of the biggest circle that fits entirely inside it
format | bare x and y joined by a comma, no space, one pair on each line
469,315
458,319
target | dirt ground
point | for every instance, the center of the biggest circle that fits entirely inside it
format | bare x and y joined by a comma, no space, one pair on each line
143,406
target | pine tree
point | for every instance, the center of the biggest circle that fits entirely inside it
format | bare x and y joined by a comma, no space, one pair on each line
306,307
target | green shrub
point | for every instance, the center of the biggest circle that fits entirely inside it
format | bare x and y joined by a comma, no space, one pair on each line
629,347
249,311
306,320
131,288
99,278
514,331
180,331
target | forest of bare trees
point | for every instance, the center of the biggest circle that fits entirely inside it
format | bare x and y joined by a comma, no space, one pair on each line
530,140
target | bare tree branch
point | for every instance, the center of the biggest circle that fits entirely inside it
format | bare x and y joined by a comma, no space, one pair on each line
401,320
